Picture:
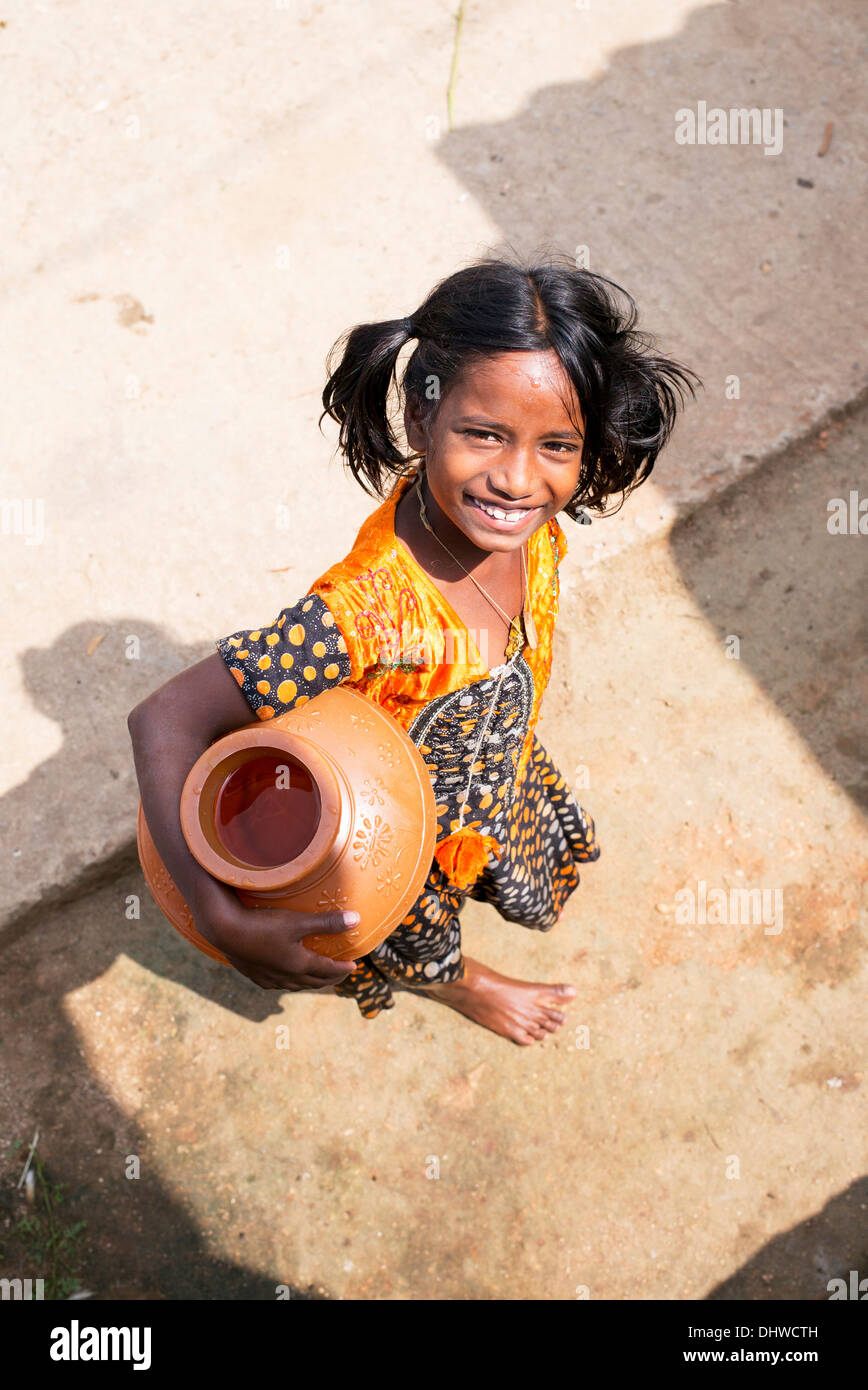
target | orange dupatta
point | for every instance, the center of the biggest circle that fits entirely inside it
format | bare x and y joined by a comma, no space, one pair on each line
407,645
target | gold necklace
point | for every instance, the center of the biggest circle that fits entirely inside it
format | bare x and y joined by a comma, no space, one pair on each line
512,623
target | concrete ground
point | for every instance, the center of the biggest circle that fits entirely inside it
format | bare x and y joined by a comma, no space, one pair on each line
197,208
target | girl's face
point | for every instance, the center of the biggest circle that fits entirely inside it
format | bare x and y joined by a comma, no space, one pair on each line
502,455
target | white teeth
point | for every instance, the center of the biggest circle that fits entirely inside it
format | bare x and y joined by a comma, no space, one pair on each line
499,515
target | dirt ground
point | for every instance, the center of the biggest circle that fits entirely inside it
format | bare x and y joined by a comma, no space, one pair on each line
704,1138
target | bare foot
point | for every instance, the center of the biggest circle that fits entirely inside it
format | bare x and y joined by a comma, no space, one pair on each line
516,1009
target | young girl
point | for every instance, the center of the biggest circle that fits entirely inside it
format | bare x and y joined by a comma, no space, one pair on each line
529,393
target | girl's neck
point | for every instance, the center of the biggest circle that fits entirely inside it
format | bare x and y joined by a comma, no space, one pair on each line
499,574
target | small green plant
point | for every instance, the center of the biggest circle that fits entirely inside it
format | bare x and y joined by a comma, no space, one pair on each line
51,1245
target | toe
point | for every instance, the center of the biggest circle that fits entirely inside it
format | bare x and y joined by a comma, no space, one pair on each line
556,996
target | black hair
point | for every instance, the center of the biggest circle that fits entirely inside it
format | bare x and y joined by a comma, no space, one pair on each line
629,395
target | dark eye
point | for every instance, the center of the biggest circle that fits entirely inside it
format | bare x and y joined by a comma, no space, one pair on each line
481,434
561,445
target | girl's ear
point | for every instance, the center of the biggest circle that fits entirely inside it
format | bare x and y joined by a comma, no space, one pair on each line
414,428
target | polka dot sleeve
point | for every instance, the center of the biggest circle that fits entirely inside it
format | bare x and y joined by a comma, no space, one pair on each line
300,655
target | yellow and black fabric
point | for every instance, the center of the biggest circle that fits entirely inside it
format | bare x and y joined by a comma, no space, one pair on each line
300,655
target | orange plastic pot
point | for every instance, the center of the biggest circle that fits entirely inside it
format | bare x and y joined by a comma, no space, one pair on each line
329,806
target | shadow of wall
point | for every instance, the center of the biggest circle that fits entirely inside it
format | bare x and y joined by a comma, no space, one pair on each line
800,1263
139,1240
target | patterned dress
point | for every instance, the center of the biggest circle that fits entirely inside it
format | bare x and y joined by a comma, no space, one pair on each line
379,623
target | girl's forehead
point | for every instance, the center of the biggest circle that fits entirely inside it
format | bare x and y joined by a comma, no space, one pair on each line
526,380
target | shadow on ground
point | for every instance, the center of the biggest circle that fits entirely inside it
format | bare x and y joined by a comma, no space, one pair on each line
764,568
139,1242
778,1270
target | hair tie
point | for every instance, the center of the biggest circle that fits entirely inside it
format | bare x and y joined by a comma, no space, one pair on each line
407,325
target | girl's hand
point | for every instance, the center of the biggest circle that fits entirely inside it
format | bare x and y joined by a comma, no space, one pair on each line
264,943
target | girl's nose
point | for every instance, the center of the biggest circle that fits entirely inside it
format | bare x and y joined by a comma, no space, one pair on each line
515,477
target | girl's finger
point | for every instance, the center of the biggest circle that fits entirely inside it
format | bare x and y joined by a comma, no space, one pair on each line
328,971
330,923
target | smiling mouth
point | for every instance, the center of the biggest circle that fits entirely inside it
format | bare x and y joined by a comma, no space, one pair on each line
511,514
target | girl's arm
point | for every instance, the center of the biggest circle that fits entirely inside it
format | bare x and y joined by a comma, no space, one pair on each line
170,729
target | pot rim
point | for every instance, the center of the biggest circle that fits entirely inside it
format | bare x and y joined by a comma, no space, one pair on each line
254,878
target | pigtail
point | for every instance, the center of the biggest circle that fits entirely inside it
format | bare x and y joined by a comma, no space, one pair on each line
356,396
632,401
646,393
